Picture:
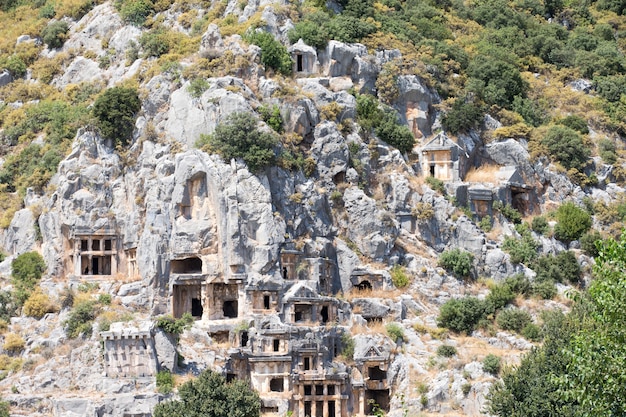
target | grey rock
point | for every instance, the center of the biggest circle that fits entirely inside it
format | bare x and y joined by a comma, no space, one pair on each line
165,347
5,78
20,236
370,308
22,39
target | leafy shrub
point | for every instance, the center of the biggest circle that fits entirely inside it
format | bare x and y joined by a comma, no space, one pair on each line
27,270
572,222
116,110
347,345
155,42
462,117
397,135
5,410
446,351
311,30
500,296
492,364
497,82
607,151
8,308
13,343
395,331
105,299
532,332
508,212
457,261
566,146
274,55
518,284
461,315
197,86
560,268
575,122
38,304
239,137
513,319
485,224
81,319
399,276
588,242
54,34
436,184
272,116
16,66
522,250
175,326
540,225
135,12
164,381
545,290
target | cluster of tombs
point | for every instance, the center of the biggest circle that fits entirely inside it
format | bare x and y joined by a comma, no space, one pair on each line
283,335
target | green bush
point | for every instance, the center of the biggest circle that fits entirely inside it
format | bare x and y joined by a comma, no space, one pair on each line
397,135
347,345
458,262
395,331
513,319
38,304
239,137
545,290
575,122
572,222
27,270
519,284
607,151
508,212
81,319
522,250
492,364
461,315
155,42
8,307
500,296
54,34
436,184
311,30
105,299
175,326
485,224
164,381
16,66
272,116
446,351
532,332
566,146
560,268
5,410
588,242
462,117
197,86
540,225
274,55
135,12
116,110
399,276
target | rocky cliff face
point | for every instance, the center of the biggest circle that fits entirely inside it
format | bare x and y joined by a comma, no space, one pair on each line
156,223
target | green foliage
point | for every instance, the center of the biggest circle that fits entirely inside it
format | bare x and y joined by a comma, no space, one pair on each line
81,319
496,81
391,131
485,224
575,122
513,319
347,345
164,381
239,137
510,213
155,42
175,326
395,331
26,271
272,116
500,296
446,351
546,290
461,315
566,147
572,222
458,262
560,268
8,308
38,304
532,332
16,66
311,30
197,86
518,284
209,395
492,364
588,242
105,299
54,34
274,55
116,110
5,410
436,184
462,116
540,225
522,250
607,151
399,276
135,12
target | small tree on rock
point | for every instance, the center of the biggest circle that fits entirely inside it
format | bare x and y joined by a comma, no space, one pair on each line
116,110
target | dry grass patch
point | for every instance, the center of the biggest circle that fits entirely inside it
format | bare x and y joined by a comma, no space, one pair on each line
485,173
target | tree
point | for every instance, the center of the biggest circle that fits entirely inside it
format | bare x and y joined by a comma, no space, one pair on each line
457,261
116,110
210,395
572,222
274,55
566,146
55,34
27,270
239,137
461,315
